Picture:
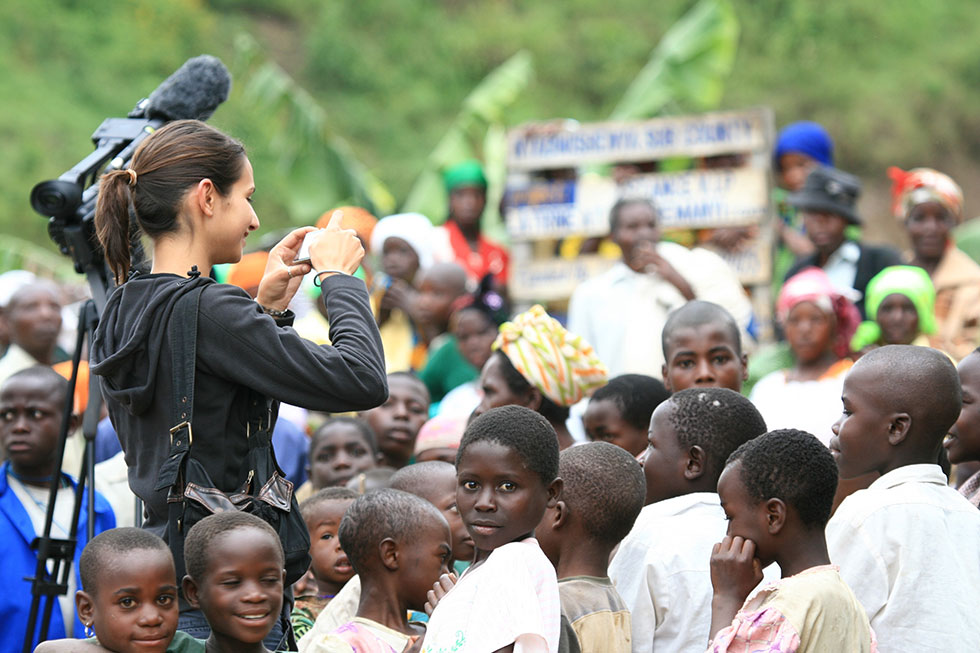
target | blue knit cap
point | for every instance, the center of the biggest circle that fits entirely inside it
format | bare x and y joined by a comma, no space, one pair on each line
807,138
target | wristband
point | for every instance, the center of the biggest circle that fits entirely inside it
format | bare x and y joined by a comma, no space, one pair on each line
317,280
273,312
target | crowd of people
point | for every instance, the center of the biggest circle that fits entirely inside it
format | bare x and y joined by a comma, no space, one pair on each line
643,476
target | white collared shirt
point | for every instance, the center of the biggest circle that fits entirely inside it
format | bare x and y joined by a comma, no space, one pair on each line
621,313
841,268
909,547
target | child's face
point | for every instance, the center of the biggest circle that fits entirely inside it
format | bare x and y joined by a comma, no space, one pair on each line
436,297
30,419
496,392
703,357
398,259
793,169
809,331
898,319
398,420
442,494
339,454
665,459
425,559
860,443
746,517
241,592
963,442
134,608
603,421
475,334
331,568
499,498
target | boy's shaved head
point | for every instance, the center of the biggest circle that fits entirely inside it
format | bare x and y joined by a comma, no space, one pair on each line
920,381
39,376
418,479
450,275
697,313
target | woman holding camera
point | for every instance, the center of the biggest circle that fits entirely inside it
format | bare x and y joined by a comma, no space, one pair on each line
190,188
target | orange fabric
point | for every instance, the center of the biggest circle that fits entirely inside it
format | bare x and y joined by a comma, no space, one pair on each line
247,273
490,258
356,218
81,384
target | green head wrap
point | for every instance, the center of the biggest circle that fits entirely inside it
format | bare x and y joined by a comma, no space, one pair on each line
467,173
908,280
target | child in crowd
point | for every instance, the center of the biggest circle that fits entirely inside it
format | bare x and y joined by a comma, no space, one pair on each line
661,568
398,420
399,545
602,495
451,376
436,483
32,402
440,287
235,577
908,545
777,491
702,348
130,597
963,442
439,439
619,412
819,323
339,450
404,244
330,567
507,475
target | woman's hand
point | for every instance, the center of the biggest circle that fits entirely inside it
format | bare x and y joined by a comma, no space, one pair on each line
282,277
646,258
735,572
336,248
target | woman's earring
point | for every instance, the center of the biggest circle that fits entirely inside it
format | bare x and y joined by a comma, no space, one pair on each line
88,631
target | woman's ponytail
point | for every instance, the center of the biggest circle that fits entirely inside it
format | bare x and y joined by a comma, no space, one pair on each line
112,220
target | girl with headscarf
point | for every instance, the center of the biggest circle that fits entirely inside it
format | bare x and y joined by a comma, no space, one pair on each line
538,364
931,204
819,323
901,300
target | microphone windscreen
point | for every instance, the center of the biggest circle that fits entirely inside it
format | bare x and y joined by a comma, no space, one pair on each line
193,91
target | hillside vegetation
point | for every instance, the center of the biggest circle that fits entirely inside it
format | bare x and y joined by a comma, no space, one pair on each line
895,83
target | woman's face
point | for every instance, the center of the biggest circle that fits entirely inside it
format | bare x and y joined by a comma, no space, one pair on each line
898,319
234,219
928,225
496,392
475,334
810,331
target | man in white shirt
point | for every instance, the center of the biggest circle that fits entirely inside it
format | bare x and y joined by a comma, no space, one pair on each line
909,545
32,318
662,567
622,311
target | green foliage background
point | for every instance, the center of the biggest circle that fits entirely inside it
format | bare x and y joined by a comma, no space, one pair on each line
895,83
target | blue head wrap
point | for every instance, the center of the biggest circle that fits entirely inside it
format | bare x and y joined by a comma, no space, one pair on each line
805,138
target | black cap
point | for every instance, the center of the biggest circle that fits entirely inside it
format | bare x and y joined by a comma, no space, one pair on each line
830,190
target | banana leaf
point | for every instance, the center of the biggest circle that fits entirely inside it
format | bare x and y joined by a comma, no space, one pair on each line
322,164
478,126
687,69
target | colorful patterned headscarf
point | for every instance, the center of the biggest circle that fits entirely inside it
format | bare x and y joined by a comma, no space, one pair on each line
908,280
813,285
921,185
561,365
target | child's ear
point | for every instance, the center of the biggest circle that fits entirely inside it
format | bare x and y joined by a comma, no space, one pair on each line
189,587
745,367
666,378
388,548
84,605
696,463
775,515
554,492
898,428
560,518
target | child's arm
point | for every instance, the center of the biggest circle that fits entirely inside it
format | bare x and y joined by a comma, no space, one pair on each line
735,571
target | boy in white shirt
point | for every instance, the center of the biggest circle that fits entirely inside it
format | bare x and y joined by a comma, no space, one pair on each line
662,567
909,545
